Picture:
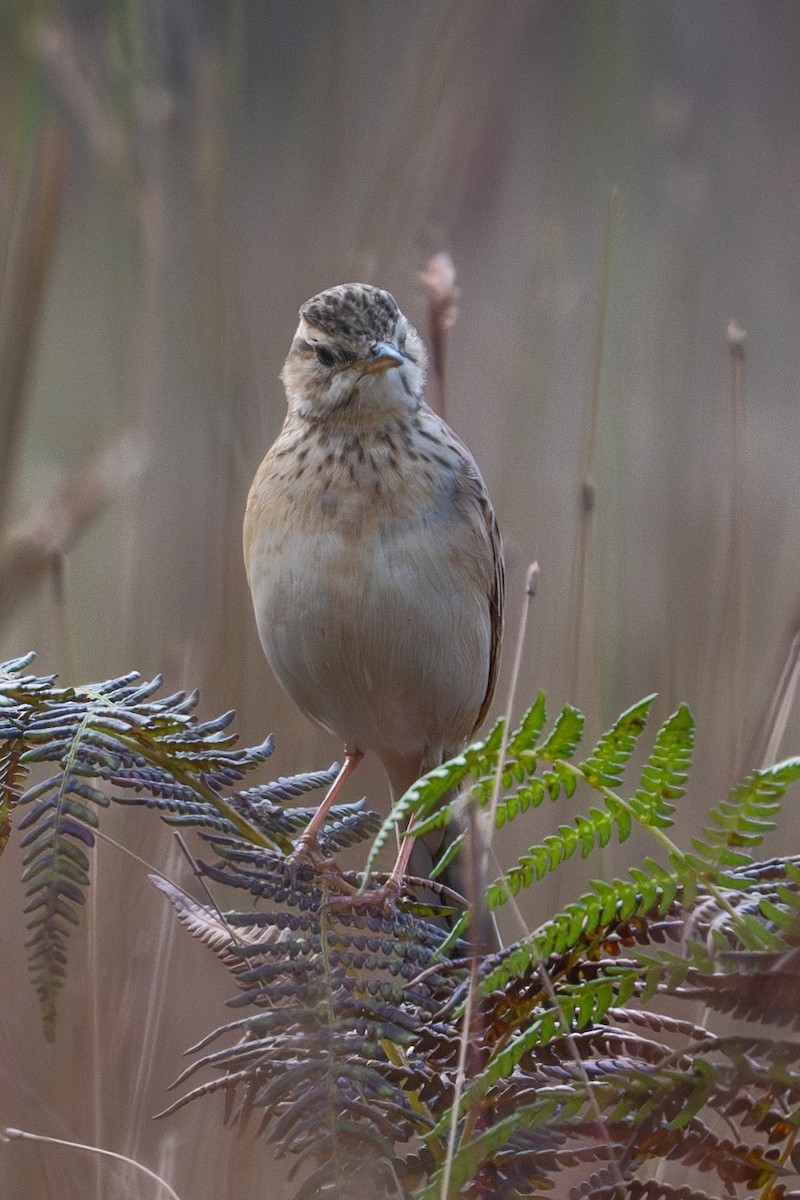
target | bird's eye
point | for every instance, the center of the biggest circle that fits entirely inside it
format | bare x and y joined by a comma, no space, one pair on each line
324,356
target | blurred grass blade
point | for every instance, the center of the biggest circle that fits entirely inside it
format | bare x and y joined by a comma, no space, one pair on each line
28,246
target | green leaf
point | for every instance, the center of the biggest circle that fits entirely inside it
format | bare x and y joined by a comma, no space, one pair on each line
566,734
744,819
664,775
605,765
526,733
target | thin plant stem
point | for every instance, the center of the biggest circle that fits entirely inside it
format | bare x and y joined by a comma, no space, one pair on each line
489,818
465,1040
98,1042
9,1134
480,862
458,1090
198,874
24,273
736,338
531,583
587,486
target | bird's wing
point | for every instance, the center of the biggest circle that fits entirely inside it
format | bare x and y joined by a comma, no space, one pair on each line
472,499
496,601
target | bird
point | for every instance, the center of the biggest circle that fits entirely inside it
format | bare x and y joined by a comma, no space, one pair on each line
372,552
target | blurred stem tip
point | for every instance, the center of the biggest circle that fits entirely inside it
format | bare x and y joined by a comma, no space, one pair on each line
736,338
441,291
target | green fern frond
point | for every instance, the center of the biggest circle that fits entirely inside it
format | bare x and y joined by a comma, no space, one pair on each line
427,799
664,774
565,736
613,750
573,1007
740,823
648,894
533,772
552,1105
527,732
589,832
662,779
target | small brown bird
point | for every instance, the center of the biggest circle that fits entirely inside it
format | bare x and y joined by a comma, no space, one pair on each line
372,550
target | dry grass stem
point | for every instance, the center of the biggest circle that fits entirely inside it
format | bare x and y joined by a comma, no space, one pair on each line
27,256
736,338
461,1078
478,863
581,652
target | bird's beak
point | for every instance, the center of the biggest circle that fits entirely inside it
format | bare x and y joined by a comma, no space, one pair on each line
382,357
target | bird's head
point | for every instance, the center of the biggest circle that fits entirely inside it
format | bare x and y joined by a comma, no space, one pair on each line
354,358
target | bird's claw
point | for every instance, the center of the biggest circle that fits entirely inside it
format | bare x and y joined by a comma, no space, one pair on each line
307,852
309,855
381,900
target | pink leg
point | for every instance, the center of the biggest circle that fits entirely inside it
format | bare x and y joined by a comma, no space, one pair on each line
387,893
400,868
307,848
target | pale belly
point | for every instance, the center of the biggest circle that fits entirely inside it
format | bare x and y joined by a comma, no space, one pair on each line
386,646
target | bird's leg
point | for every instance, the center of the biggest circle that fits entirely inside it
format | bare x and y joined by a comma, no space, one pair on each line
307,849
400,869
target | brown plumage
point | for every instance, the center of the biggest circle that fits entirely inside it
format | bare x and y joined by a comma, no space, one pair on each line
371,546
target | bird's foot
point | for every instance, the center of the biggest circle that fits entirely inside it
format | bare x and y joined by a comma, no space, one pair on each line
309,855
380,900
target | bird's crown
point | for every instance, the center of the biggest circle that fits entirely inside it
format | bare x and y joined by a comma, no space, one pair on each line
352,312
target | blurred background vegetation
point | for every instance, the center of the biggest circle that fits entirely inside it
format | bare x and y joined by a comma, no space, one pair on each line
176,177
